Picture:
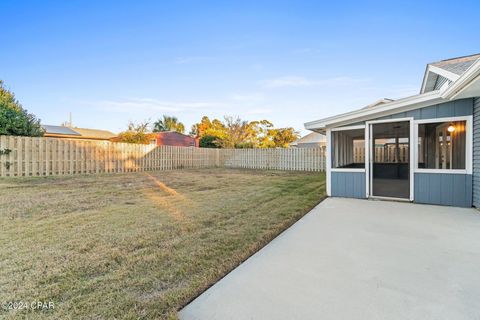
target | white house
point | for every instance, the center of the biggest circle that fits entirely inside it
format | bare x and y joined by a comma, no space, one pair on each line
311,140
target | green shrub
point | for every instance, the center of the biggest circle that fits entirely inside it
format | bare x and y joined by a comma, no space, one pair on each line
14,119
208,142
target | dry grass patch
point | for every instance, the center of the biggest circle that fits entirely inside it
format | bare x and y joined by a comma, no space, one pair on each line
138,245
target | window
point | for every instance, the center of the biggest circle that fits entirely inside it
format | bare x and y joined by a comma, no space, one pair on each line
442,145
348,148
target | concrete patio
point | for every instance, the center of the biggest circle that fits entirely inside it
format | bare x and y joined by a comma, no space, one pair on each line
358,259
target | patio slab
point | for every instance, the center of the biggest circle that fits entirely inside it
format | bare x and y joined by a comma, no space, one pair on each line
358,259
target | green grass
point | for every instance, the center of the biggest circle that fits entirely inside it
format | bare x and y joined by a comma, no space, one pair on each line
138,245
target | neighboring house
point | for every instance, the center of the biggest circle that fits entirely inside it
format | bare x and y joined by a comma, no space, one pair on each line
311,140
76,133
173,138
423,148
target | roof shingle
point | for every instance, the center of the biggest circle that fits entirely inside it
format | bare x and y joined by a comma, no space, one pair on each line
457,65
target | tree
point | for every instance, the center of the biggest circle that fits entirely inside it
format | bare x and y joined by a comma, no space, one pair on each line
14,119
206,127
262,129
238,134
234,132
208,142
283,137
168,124
209,132
135,133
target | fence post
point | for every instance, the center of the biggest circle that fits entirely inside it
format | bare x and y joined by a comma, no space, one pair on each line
51,156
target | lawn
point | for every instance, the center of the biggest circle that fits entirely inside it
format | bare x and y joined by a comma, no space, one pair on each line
138,245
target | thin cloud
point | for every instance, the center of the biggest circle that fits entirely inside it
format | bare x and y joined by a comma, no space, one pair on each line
254,97
288,81
297,81
148,104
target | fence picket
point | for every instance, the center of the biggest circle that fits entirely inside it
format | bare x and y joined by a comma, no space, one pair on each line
52,156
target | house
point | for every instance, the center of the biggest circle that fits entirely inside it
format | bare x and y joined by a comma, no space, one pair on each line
173,138
311,140
76,133
423,148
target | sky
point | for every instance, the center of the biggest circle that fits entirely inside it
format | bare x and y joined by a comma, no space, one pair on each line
290,62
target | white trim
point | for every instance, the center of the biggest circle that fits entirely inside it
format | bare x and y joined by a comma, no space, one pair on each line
444,119
425,79
360,126
390,120
415,145
411,140
367,160
463,92
397,106
468,145
454,90
357,127
449,171
347,169
412,147
371,160
445,85
438,72
329,162
444,73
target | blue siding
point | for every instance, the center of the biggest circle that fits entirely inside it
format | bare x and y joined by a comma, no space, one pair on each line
432,188
476,152
456,108
348,184
443,188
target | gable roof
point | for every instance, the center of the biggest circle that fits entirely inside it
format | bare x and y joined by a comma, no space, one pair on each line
456,65
174,138
78,133
95,133
312,137
442,72
466,85
169,132
59,130
378,102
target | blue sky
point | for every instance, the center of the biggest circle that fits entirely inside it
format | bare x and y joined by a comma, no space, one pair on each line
109,62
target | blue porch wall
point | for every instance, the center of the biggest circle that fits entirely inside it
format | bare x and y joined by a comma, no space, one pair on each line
444,189
430,188
348,184
456,108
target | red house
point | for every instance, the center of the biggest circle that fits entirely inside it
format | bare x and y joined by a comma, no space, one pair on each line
173,138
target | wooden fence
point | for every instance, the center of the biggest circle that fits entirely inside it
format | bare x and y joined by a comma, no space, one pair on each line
27,156
302,159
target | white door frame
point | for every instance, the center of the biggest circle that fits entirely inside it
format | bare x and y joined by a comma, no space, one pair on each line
369,153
